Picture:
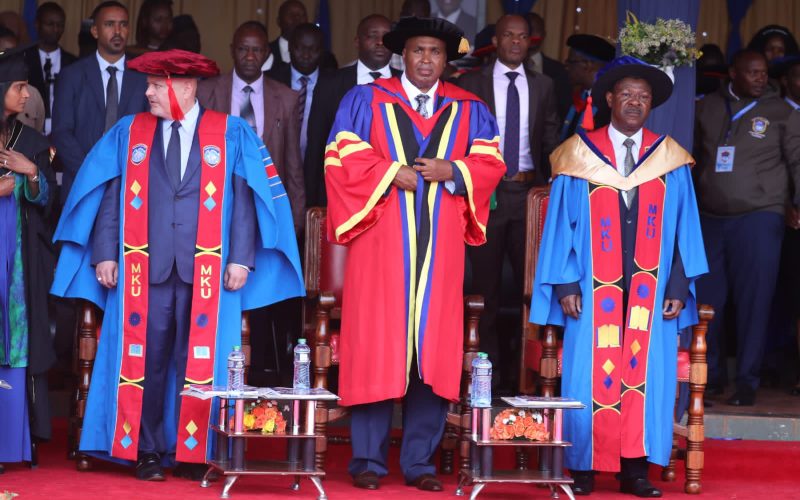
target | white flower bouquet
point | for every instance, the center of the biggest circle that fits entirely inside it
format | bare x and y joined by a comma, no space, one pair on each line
667,42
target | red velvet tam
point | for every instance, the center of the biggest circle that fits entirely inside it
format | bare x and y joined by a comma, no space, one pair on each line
175,63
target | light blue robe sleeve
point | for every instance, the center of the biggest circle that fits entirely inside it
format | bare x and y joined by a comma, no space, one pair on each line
558,261
690,241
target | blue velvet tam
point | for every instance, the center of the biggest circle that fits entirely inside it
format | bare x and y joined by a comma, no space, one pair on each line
631,67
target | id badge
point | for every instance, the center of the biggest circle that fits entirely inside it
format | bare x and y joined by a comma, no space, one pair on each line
725,155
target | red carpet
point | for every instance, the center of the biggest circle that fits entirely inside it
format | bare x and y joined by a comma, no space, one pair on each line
734,470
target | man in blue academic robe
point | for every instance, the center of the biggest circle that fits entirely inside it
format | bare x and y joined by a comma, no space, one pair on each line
176,223
620,252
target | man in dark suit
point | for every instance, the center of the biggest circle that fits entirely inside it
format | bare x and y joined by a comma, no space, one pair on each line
269,107
524,104
452,11
587,54
271,110
372,63
46,62
88,100
304,75
291,14
537,62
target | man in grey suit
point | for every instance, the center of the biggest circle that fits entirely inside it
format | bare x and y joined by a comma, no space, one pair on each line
525,106
88,100
268,106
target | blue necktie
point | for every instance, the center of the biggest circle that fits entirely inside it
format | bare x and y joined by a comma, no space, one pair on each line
511,136
174,152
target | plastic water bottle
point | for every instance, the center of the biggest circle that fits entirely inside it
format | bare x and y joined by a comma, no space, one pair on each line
302,365
236,370
481,381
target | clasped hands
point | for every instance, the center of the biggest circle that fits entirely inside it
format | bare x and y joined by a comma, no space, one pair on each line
15,162
431,169
571,306
108,273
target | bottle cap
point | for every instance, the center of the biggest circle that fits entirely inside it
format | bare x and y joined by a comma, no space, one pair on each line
237,348
301,341
483,355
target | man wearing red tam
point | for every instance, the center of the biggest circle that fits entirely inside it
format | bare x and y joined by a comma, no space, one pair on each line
147,235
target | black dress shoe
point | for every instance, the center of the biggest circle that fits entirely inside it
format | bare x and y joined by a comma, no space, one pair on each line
795,391
193,472
367,480
583,483
713,390
639,487
742,398
148,468
426,482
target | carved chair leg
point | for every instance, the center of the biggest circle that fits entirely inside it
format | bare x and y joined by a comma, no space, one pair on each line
86,351
321,429
449,442
668,472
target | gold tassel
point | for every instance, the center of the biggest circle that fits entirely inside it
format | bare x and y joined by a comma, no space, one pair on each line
463,46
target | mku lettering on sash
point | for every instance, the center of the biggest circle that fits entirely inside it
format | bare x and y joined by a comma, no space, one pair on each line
619,362
194,413
133,282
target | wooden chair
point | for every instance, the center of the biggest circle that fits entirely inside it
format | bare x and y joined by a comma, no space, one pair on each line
542,354
324,278
88,326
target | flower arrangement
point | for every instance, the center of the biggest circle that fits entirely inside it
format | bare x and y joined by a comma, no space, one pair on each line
519,424
668,42
264,416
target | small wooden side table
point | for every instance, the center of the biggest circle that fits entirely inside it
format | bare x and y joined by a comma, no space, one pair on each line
551,453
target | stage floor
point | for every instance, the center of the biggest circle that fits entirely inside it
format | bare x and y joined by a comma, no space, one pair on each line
775,417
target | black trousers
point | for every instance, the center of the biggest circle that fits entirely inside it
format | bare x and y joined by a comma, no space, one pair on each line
505,235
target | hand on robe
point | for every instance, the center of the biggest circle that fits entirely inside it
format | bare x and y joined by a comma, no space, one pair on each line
405,178
571,305
107,273
672,308
17,162
235,277
434,169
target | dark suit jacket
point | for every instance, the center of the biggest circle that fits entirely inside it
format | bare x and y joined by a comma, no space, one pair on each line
320,122
173,234
316,137
36,73
327,61
543,119
281,131
556,71
79,111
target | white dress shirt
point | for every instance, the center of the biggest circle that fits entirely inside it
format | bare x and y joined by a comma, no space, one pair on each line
185,132
412,92
283,45
256,99
120,65
452,17
363,73
268,63
538,63
620,151
501,81
312,82
55,68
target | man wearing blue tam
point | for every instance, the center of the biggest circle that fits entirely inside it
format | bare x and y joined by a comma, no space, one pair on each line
621,250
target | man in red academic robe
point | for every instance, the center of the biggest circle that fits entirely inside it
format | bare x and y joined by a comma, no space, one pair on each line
410,166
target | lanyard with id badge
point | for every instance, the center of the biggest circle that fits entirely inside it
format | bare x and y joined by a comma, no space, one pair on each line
725,153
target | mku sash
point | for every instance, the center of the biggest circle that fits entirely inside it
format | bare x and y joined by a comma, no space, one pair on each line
192,437
619,362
